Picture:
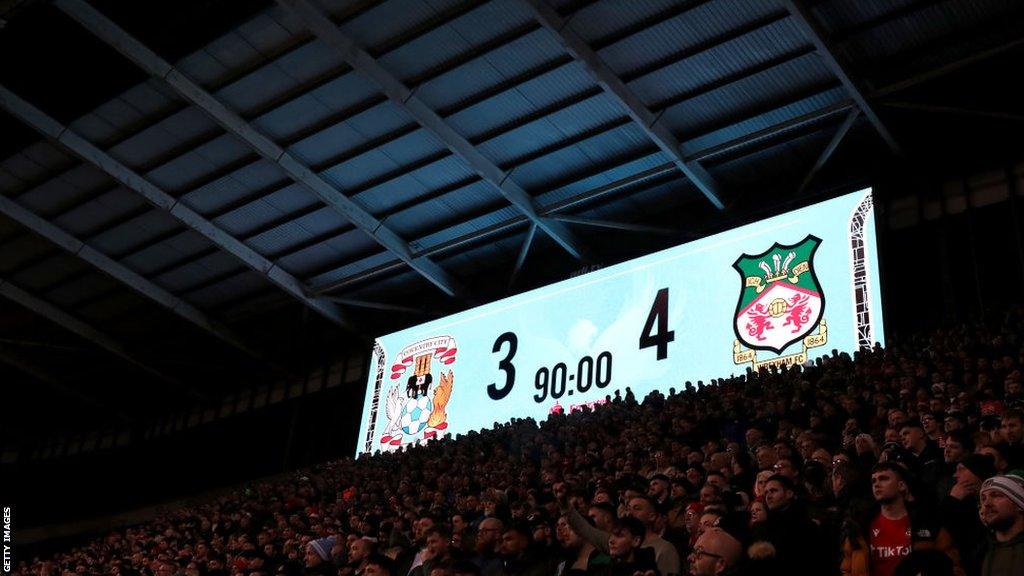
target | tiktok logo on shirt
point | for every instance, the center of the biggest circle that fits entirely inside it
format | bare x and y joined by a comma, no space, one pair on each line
890,543
881,552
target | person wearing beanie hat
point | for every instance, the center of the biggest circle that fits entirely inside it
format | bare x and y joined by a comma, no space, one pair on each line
959,507
318,556
1002,512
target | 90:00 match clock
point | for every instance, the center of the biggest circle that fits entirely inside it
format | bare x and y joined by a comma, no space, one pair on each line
778,292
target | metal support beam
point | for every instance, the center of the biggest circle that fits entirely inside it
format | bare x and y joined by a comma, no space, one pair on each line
69,322
729,147
451,64
376,305
120,272
774,131
834,143
816,34
361,61
130,47
630,102
627,226
85,150
521,258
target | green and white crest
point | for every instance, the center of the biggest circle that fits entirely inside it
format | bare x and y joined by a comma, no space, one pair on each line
780,299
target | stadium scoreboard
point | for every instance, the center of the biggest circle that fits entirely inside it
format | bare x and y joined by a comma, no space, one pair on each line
778,292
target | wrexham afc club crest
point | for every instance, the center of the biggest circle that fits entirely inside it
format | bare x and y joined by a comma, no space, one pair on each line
780,303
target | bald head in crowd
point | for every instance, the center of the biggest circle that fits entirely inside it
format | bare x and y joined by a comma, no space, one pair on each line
489,535
715,552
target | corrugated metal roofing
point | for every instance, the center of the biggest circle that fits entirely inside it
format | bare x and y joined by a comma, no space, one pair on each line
161,255
926,25
84,219
243,284
733,58
736,81
68,294
699,27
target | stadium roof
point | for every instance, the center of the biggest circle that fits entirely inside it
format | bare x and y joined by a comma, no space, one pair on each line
202,195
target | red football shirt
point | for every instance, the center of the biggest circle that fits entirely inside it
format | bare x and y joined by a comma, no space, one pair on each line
890,543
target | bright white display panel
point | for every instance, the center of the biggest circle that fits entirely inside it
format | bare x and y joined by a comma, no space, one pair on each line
780,291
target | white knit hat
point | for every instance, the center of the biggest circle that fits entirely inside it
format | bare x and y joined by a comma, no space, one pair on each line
1009,485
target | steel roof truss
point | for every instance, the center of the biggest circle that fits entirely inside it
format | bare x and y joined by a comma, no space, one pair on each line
615,225
816,34
553,210
521,258
830,149
617,89
361,61
82,148
131,48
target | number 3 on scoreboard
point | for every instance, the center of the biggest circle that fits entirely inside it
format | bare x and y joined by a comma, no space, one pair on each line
659,312
505,365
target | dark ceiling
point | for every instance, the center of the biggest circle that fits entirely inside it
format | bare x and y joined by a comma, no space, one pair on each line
282,196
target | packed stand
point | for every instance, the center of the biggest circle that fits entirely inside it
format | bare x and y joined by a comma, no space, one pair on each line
897,461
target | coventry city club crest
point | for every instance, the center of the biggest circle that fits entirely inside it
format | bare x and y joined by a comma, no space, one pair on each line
415,405
780,303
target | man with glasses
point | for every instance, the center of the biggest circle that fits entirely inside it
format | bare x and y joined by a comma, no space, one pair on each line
933,428
488,536
716,552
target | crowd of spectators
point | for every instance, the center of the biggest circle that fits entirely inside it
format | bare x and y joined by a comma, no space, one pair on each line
902,460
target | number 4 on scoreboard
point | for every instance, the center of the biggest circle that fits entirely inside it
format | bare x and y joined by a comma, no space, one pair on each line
659,312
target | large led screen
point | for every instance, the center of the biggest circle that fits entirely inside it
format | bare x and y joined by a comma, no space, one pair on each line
780,291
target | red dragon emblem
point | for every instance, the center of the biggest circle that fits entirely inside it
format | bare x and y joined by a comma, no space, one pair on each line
760,320
760,317
799,312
